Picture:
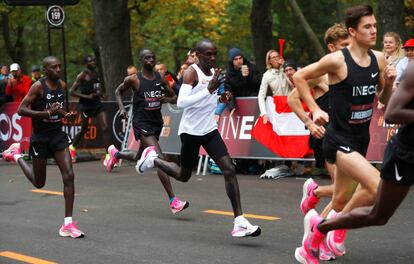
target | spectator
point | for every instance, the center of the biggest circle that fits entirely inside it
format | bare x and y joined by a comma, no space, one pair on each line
18,84
392,49
275,79
191,57
131,70
36,73
180,76
242,78
172,81
4,72
409,56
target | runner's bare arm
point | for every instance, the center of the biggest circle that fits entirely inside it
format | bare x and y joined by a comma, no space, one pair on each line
129,82
35,92
170,96
76,84
296,106
388,73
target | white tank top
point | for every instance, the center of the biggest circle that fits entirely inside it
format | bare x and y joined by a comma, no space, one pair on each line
198,119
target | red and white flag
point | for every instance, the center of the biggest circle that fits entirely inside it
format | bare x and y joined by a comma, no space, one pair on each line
284,133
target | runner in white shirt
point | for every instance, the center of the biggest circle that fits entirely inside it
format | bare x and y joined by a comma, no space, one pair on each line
198,97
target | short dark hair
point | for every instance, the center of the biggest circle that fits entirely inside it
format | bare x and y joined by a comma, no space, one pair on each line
142,52
353,15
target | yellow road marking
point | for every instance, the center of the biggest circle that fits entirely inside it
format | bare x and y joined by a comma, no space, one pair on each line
23,258
264,217
47,192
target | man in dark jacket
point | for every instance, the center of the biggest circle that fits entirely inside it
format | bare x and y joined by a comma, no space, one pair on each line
242,77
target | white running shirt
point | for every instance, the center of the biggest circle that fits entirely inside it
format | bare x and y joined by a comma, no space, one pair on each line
198,118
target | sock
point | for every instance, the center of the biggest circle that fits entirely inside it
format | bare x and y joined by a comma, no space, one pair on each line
172,199
68,220
116,155
17,156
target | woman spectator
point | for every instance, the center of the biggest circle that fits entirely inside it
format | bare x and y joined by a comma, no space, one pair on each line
392,48
275,79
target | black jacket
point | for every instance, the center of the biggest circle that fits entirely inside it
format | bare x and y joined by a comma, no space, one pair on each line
242,86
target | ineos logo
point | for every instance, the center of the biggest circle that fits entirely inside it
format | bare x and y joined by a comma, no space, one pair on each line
10,128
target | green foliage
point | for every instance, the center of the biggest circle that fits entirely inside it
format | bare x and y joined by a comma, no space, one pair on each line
172,27
79,34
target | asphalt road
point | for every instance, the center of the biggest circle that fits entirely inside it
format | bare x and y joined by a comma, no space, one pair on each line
127,220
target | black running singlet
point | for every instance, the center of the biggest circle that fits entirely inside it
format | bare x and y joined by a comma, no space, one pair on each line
91,86
49,97
323,102
146,102
351,100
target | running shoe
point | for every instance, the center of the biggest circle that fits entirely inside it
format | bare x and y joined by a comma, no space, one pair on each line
110,163
243,228
147,160
177,205
8,154
71,230
105,161
335,239
312,237
72,152
325,253
303,257
309,200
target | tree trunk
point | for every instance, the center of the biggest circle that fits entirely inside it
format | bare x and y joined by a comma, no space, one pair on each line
391,17
112,23
15,51
308,30
261,27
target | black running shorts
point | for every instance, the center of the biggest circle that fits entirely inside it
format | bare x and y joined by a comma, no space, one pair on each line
91,111
398,163
146,129
44,146
332,143
211,142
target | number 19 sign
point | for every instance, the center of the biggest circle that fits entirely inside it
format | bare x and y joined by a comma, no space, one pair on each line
55,15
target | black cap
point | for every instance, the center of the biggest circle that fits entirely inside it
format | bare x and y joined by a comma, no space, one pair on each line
35,68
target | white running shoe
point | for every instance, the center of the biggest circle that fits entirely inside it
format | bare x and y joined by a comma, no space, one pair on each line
243,228
147,160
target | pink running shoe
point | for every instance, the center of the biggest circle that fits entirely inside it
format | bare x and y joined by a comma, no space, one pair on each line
309,200
11,151
303,257
177,205
335,239
110,163
324,253
71,230
312,237
72,152
147,160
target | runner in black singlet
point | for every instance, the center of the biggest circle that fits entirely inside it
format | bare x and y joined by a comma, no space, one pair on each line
87,87
151,90
46,98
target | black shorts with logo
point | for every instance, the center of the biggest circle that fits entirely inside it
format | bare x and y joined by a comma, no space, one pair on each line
190,148
44,146
398,163
333,142
146,129
90,110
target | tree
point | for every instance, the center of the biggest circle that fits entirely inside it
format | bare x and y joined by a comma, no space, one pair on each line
308,30
387,18
261,27
112,24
